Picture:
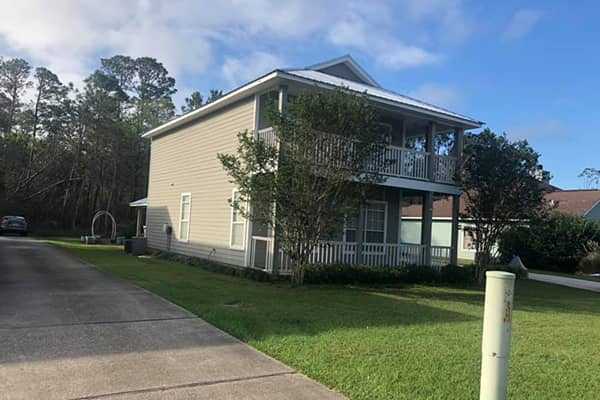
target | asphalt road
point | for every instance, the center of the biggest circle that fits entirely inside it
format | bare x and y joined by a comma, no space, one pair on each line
70,331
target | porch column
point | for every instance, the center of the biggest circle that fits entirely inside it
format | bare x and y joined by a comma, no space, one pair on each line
138,225
430,149
282,98
360,234
454,237
426,226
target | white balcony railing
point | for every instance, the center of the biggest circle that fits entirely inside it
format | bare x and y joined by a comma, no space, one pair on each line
372,254
399,161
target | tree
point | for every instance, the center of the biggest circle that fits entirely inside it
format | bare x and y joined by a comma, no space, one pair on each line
591,177
14,79
214,95
315,177
193,102
501,188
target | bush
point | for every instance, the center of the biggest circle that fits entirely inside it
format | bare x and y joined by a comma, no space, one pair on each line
362,274
555,242
590,264
208,265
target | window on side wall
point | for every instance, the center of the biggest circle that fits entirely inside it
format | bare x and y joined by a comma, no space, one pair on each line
184,217
238,225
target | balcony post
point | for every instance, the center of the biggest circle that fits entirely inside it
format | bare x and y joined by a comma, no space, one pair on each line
459,137
426,226
360,234
455,224
430,149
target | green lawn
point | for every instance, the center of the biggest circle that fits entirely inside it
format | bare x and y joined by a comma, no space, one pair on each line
412,342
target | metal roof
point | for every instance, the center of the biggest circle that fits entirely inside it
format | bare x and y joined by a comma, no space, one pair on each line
321,77
310,76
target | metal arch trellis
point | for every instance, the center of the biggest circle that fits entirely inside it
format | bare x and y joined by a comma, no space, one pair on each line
113,234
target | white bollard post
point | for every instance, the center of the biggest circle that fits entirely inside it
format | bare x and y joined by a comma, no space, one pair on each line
497,328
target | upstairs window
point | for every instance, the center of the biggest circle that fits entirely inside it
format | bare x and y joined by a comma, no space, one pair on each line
184,217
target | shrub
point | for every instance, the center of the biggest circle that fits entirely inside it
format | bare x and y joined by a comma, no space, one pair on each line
555,242
357,274
208,265
455,274
590,264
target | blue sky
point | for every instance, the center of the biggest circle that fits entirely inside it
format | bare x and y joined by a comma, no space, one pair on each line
528,68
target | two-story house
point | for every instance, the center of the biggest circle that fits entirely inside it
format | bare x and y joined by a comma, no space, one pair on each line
189,213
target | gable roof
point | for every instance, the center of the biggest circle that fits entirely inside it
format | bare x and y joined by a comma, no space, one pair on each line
314,76
575,202
348,62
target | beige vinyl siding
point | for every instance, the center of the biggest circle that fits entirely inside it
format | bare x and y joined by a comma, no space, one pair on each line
186,161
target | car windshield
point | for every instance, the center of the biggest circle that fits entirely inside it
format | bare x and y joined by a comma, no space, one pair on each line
11,219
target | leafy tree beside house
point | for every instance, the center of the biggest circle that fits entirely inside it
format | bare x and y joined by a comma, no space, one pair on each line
315,176
502,187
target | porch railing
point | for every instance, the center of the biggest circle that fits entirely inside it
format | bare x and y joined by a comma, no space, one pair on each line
399,161
373,254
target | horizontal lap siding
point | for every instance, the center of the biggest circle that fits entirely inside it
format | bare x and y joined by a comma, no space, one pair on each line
186,161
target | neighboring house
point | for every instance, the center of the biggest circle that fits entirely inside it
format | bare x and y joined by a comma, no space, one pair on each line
582,203
189,190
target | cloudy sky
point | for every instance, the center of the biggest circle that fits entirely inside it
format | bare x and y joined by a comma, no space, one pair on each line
529,68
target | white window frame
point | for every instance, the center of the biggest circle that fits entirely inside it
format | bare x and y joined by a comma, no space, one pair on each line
231,224
181,219
385,221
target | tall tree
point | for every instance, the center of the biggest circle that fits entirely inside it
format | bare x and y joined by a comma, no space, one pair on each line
317,175
502,186
14,79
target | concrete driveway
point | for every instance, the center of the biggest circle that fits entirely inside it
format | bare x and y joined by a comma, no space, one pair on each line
70,331
565,281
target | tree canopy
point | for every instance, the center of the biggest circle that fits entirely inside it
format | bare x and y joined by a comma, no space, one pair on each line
66,153
315,176
502,185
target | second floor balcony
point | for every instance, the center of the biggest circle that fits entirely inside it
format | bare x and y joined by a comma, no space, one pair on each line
400,162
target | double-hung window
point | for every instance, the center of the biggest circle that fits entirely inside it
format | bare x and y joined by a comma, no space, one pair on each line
184,217
375,216
238,224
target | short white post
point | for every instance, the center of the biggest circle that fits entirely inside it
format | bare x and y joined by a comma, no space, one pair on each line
497,328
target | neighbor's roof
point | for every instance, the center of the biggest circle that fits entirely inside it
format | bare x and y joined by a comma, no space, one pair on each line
576,202
139,203
311,76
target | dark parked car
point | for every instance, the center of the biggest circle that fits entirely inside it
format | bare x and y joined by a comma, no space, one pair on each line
13,224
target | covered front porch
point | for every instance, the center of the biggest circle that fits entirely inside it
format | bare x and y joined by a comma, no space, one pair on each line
374,237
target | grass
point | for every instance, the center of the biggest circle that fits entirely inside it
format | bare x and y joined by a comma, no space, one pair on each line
582,277
412,342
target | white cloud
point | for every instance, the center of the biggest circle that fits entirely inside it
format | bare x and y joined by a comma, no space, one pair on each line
238,70
191,36
521,23
439,95
387,51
